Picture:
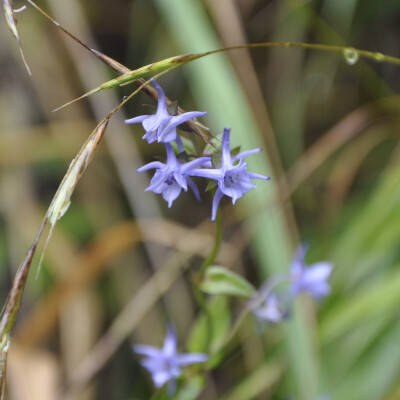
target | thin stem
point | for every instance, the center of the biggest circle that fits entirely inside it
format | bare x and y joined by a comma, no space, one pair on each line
202,302
214,252
200,297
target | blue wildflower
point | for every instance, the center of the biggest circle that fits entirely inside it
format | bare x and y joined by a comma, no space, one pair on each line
311,279
271,310
161,127
232,178
165,364
168,179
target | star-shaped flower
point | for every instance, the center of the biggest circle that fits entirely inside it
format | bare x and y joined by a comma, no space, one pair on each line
168,179
232,178
161,126
271,310
311,279
165,364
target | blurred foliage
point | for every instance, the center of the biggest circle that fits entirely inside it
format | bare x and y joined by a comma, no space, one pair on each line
119,263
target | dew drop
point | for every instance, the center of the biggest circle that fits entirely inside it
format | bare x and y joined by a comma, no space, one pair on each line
351,56
124,98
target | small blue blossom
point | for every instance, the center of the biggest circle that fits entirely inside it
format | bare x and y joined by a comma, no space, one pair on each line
232,178
311,279
168,179
165,364
161,127
271,310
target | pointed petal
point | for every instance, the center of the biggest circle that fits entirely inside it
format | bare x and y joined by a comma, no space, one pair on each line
298,263
151,165
180,179
246,153
157,183
226,151
181,118
149,351
253,175
206,173
170,342
162,105
190,358
194,189
318,272
179,144
195,163
160,378
135,120
217,198
150,136
171,192
172,161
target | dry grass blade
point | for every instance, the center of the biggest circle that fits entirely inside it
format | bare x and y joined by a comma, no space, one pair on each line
12,23
4,345
62,199
56,210
142,72
12,305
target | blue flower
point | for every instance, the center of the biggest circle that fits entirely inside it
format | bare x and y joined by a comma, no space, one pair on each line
271,310
232,178
161,127
311,279
165,364
168,179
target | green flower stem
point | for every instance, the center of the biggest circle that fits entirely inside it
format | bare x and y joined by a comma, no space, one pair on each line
198,277
217,245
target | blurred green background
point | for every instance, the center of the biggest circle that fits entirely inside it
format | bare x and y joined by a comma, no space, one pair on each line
116,268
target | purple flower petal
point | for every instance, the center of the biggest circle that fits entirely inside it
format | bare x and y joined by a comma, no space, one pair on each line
190,358
161,127
194,189
145,350
217,198
271,310
171,192
169,179
165,364
310,279
170,342
136,120
152,165
247,153
233,180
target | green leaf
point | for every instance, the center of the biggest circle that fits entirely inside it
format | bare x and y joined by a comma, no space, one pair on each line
211,185
209,331
220,280
187,145
191,389
216,160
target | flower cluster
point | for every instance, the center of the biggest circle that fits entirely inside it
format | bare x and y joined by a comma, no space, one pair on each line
171,177
269,306
229,172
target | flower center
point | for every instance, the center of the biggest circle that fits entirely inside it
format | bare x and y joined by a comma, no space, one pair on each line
170,180
230,179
